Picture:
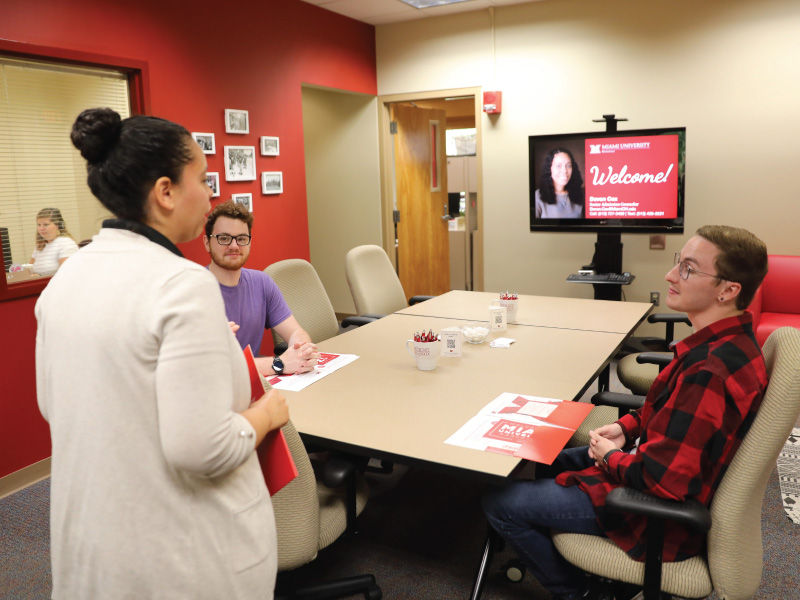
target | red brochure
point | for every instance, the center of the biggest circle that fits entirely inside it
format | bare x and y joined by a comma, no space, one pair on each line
546,442
276,460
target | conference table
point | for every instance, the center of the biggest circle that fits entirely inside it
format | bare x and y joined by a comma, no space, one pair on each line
383,407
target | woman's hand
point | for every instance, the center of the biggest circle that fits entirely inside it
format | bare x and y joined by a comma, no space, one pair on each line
234,327
274,405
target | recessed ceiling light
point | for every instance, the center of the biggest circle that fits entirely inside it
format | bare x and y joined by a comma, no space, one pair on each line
430,3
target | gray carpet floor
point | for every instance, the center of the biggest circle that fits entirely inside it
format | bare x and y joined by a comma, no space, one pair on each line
421,535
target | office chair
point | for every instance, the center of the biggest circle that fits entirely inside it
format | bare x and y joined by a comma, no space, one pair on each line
374,284
304,293
732,562
310,515
637,373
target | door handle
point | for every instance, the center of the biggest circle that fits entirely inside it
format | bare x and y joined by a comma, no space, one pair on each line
446,215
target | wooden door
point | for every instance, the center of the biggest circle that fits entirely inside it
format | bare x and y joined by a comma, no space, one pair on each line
423,254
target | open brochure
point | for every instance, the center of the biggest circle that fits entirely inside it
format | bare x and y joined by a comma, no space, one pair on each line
328,363
529,427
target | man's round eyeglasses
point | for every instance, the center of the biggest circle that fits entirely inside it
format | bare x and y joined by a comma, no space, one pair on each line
684,270
225,239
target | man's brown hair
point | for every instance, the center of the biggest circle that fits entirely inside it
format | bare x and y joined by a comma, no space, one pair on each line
742,258
232,210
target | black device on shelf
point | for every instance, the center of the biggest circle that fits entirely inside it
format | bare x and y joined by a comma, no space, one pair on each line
602,278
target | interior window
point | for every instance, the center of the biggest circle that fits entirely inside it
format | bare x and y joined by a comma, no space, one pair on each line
39,166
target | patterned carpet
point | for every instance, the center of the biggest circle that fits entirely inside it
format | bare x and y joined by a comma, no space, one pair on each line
789,475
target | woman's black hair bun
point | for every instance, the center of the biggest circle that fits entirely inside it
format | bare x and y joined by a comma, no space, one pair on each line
95,132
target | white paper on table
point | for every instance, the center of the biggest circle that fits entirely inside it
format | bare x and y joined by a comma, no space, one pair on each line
502,343
298,381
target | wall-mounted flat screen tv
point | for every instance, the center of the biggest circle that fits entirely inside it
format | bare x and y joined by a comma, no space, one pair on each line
620,182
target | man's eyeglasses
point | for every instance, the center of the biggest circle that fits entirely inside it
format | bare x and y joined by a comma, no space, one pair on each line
684,270
225,239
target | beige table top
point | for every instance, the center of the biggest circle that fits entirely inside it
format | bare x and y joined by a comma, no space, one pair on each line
540,311
382,406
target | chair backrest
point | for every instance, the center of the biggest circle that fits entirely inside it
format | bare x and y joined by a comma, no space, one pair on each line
780,291
306,296
734,542
373,282
297,509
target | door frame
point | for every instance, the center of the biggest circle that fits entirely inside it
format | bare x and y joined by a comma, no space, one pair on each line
387,182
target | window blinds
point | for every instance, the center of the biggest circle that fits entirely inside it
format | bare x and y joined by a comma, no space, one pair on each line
39,166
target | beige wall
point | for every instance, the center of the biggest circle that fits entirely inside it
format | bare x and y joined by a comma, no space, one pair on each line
727,70
340,132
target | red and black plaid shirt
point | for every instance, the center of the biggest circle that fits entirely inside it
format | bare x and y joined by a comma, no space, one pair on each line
693,420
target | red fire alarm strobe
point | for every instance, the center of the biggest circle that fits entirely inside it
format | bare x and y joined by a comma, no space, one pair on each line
492,102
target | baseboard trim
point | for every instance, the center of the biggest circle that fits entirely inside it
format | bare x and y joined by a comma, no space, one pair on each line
19,480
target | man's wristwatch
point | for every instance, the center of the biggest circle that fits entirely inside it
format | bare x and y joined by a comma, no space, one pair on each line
277,365
607,454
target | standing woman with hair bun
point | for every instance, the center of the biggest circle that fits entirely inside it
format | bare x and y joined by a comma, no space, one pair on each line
54,244
156,490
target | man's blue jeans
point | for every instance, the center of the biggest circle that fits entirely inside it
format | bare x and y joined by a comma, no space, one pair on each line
523,513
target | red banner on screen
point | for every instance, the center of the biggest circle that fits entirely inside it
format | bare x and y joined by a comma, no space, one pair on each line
632,178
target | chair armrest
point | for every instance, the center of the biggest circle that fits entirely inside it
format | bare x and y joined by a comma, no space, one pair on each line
358,320
668,318
337,470
662,359
691,512
417,299
628,401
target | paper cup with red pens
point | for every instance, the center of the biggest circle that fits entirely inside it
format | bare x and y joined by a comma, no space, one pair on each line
509,301
425,348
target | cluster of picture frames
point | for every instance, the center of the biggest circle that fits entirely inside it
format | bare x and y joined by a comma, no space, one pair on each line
240,161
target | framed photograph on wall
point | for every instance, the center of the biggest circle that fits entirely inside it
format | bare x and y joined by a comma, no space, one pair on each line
237,121
245,200
212,179
272,182
240,163
206,142
270,146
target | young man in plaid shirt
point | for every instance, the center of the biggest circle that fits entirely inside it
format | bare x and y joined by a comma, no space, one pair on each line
677,446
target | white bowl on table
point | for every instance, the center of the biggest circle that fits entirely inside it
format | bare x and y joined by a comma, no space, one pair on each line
475,332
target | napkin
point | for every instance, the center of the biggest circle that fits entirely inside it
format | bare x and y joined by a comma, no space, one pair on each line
502,343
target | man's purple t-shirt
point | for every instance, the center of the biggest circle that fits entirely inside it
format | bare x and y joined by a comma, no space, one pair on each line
254,304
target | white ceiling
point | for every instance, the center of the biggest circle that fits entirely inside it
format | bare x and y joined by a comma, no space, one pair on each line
380,12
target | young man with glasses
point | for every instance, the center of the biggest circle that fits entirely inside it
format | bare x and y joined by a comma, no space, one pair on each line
252,300
677,446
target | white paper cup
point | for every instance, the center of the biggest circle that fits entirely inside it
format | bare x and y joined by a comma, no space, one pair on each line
424,353
510,306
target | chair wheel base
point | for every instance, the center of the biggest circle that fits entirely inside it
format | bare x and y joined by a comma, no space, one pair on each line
514,570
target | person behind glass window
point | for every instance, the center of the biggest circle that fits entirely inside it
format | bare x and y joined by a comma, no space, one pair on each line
156,491
54,244
560,194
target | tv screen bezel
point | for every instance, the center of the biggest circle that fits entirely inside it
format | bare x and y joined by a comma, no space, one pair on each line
646,225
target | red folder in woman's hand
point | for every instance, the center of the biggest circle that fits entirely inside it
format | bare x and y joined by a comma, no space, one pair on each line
276,461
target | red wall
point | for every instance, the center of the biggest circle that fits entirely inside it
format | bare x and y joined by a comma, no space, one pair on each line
202,57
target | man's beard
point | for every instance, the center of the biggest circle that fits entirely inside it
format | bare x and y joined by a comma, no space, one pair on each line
230,266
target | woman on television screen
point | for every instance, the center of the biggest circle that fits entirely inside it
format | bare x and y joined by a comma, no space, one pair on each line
560,193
